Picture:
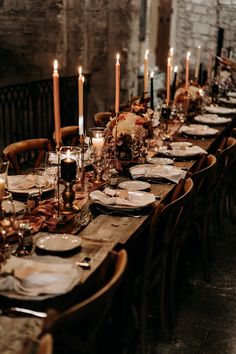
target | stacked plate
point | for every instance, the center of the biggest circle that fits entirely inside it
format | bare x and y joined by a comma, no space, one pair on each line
198,130
212,119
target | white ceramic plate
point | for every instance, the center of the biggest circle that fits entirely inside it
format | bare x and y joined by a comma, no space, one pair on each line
58,242
220,110
231,94
180,144
198,130
15,181
160,161
211,119
19,206
134,185
229,100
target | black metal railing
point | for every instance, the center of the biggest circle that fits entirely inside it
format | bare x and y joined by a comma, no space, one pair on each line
26,110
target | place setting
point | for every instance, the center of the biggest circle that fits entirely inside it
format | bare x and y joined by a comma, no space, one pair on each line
181,150
215,109
211,119
198,131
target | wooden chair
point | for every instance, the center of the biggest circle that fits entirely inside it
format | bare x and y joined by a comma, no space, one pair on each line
204,183
45,345
225,186
22,153
78,329
102,118
69,135
159,276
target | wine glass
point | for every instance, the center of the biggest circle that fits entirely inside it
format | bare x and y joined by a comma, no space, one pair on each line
51,169
23,228
7,219
40,178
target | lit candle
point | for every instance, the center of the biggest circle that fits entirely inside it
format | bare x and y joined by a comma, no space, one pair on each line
171,55
173,86
197,62
81,101
68,168
151,91
187,71
168,81
145,73
117,94
56,102
98,143
2,188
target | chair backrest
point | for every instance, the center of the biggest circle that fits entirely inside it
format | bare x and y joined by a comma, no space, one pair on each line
102,118
165,221
69,135
21,153
204,179
45,345
78,326
226,156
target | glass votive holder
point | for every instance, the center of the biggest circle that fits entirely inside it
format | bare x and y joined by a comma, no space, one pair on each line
98,137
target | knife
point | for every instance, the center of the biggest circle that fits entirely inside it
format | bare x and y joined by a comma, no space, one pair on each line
11,310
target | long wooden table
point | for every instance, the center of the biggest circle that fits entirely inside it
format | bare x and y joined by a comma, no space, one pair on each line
103,234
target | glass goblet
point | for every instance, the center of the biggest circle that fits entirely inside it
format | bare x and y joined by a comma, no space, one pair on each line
52,169
40,178
7,219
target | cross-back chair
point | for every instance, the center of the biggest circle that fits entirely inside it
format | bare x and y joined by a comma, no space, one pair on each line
204,184
102,118
23,153
159,275
78,329
69,135
225,184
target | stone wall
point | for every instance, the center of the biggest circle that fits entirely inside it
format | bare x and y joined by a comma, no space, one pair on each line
197,23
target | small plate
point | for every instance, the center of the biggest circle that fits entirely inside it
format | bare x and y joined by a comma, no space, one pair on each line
134,185
180,144
160,161
58,242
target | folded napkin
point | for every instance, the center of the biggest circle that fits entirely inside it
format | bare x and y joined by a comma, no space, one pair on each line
182,151
34,279
133,199
171,173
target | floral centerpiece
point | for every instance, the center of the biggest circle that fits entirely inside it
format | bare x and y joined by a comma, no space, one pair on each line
128,132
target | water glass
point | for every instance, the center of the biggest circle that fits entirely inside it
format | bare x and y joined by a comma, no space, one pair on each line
40,178
4,165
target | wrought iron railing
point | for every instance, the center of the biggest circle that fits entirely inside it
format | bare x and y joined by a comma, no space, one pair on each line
26,110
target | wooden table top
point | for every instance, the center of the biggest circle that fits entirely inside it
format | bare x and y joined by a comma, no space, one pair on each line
102,235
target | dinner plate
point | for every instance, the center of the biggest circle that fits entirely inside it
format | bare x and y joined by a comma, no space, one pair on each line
231,94
134,185
198,130
229,100
211,119
19,206
160,161
13,183
188,152
58,242
220,110
140,198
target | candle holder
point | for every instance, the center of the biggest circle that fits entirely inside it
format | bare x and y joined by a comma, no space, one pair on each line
68,196
186,103
98,137
165,115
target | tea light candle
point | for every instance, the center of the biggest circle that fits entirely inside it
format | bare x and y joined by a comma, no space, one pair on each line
98,143
68,168
2,188
56,103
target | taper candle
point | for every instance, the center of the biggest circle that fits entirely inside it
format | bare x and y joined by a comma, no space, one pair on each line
117,92
56,104
173,86
145,72
81,101
151,91
168,81
2,188
198,57
187,71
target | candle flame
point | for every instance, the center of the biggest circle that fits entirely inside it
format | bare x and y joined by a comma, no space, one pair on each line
199,47
55,65
152,74
169,61
188,55
117,58
146,53
171,51
68,153
176,68
80,70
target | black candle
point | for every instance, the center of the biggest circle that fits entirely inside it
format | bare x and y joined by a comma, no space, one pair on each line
68,169
151,92
173,86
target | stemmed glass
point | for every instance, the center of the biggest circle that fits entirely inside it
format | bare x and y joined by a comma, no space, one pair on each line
23,229
40,178
51,169
7,219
